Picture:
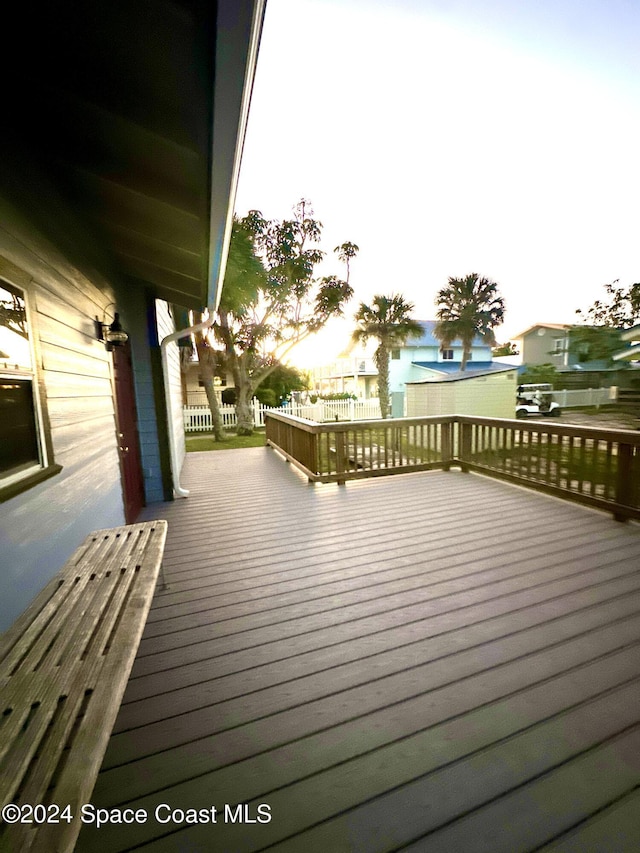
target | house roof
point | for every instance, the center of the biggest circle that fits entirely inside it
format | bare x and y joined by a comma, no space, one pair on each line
561,327
632,334
428,339
132,116
452,371
632,353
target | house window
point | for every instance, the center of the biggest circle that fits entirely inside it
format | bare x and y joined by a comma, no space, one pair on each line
558,345
395,354
25,451
447,354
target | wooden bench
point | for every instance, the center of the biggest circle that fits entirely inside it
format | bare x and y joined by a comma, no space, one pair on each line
64,666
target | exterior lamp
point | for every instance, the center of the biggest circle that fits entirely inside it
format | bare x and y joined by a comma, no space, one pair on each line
112,334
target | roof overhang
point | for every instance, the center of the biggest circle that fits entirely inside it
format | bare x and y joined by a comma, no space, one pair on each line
629,354
461,376
131,115
553,327
632,334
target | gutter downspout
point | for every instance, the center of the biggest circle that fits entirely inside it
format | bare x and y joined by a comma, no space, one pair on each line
173,450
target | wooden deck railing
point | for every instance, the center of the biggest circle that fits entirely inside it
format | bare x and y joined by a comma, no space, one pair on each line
597,467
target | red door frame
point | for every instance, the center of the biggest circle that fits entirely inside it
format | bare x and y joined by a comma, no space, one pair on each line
127,433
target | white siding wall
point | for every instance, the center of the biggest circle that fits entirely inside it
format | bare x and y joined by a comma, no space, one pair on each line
491,396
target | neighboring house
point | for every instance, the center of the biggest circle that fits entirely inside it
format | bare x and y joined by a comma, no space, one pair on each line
418,359
425,359
353,372
545,343
118,164
551,343
193,387
487,393
632,353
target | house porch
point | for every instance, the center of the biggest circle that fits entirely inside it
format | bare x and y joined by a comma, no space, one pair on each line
430,661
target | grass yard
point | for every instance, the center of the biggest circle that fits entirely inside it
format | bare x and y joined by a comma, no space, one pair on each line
205,441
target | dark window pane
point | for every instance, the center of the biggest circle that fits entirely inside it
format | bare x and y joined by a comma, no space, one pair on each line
18,436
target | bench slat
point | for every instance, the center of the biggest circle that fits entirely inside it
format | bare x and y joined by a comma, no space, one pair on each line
64,667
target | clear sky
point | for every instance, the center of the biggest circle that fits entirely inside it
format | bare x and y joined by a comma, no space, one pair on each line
454,136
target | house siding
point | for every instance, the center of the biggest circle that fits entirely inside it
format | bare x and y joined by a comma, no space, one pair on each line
40,527
538,347
403,370
491,396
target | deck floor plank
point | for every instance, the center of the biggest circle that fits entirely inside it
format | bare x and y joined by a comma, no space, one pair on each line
400,661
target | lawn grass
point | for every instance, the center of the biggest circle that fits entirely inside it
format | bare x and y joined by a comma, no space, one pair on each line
205,441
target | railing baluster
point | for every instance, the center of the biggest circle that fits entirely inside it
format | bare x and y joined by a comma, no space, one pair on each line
592,466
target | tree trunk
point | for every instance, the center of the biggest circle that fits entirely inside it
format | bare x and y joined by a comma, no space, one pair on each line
466,352
244,409
381,359
244,387
207,361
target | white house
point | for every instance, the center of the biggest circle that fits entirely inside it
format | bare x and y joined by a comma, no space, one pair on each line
424,358
417,360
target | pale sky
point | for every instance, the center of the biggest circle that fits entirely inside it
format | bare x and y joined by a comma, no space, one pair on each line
453,136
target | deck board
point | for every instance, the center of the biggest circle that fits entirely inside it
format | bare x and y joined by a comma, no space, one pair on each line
404,662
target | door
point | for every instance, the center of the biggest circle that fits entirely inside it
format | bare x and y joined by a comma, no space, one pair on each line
126,423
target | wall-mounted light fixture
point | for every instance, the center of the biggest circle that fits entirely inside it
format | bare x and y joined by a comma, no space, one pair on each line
112,334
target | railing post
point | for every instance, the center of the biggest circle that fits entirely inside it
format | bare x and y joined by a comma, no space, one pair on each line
314,462
446,445
466,432
624,480
340,457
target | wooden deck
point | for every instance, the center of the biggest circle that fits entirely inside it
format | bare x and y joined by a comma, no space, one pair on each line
434,661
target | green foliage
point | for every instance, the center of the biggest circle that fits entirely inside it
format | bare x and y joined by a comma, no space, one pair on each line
505,349
599,338
538,373
288,302
620,311
267,397
595,343
279,384
272,299
13,314
229,396
340,395
229,441
468,307
387,320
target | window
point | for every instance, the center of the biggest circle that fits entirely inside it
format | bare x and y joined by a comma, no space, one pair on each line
395,354
447,354
558,345
25,455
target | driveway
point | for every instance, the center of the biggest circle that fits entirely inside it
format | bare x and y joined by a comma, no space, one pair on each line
603,419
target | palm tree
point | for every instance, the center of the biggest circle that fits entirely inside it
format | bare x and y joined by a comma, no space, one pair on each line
468,307
387,320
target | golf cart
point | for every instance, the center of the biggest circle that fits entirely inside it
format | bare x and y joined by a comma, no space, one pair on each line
536,400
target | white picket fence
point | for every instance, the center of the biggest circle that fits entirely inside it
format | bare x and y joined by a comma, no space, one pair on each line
584,397
198,418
